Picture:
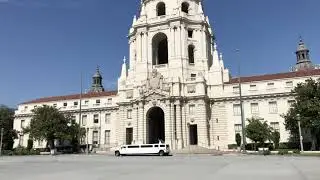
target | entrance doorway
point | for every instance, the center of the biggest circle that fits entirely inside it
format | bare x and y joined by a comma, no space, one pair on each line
193,134
129,135
155,125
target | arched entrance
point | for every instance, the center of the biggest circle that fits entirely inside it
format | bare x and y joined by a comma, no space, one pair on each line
155,125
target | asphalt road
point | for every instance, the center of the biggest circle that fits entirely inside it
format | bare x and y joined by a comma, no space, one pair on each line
184,167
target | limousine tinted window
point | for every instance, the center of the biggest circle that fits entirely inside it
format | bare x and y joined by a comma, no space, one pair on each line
162,146
133,146
146,146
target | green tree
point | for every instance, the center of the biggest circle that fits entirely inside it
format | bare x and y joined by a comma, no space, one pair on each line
6,122
48,124
307,105
275,137
258,131
238,139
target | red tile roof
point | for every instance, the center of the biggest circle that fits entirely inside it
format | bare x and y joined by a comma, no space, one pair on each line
267,77
71,97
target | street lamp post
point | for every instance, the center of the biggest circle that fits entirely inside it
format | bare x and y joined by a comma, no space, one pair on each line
1,138
300,133
244,140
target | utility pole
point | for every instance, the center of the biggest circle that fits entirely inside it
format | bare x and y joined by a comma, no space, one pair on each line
1,138
300,133
244,140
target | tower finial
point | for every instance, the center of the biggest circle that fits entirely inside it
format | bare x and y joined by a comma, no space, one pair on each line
124,60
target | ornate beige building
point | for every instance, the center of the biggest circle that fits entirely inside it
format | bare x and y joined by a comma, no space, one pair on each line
176,87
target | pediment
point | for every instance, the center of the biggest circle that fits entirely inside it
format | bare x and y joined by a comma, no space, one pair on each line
155,95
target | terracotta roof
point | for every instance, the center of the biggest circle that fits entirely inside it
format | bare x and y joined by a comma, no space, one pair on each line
267,77
70,97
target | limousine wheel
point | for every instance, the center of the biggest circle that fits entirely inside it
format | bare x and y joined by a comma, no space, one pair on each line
161,153
117,153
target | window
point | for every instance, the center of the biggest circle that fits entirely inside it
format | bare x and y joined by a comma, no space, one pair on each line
22,125
107,137
236,110
129,114
192,109
190,33
238,128
185,7
275,126
193,75
75,103
218,138
21,140
54,105
86,102
191,89
34,107
40,143
273,107
161,9
146,146
96,118
191,54
253,87
291,102
107,118
26,107
98,101
254,108
95,137
73,119
236,89
217,120
84,120
110,101
270,85
65,104
289,84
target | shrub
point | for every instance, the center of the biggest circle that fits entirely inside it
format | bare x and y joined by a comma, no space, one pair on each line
238,139
232,146
283,152
30,144
7,152
283,146
21,151
267,152
296,151
275,136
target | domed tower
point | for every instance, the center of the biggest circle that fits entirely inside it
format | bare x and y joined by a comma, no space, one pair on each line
303,57
97,82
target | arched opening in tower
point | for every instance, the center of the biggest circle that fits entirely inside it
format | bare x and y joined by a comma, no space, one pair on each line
161,9
185,7
160,49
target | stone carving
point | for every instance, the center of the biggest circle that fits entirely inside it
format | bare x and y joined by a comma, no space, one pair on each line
155,83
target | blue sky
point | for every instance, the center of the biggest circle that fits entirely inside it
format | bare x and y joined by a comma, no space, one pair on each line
45,44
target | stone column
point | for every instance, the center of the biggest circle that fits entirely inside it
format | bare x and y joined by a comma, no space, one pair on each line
168,123
135,123
184,125
202,124
122,132
172,126
140,122
179,125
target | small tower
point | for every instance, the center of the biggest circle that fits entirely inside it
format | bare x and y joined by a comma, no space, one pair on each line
303,58
97,82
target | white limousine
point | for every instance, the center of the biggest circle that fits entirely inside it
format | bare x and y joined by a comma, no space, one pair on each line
144,149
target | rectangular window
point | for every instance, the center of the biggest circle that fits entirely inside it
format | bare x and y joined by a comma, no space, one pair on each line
191,89
73,119
236,110
254,108
98,101
238,128
86,102
273,107
107,118
107,137
129,114
275,126
110,101
253,87
26,107
65,104
236,89
84,120
270,85
290,103
22,125
40,143
192,109
289,84
75,103
54,105
96,118
95,137
190,33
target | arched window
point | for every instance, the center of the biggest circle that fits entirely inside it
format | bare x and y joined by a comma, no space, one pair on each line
160,49
191,54
161,9
185,7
